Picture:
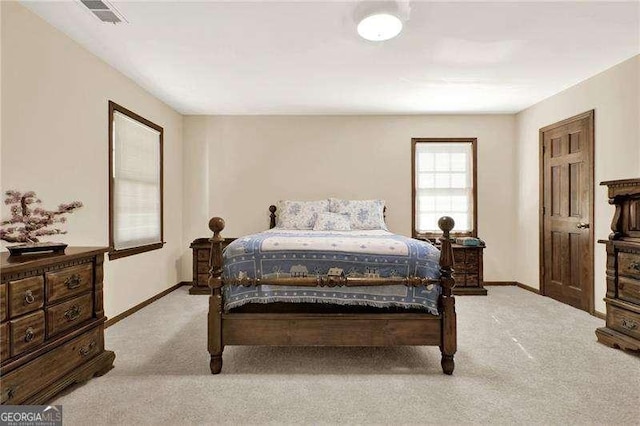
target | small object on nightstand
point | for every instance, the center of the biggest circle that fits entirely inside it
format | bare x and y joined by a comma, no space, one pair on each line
201,251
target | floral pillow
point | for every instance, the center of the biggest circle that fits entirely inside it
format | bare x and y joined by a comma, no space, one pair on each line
363,214
300,214
332,222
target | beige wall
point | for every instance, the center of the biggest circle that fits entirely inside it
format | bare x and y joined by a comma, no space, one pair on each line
614,94
236,166
55,142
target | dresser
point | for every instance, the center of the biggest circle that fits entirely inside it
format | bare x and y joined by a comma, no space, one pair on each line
622,328
201,248
51,323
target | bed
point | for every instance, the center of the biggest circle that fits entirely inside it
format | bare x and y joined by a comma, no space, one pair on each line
333,288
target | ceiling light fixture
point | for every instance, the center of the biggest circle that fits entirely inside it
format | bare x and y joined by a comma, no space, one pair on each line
380,27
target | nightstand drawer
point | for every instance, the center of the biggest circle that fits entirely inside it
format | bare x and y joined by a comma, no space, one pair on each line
69,314
629,289
203,268
471,257
203,255
26,295
472,280
629,264
27,332
69,282
203,279
460,279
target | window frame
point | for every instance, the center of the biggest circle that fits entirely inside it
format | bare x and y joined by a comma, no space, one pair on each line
130,251
474,178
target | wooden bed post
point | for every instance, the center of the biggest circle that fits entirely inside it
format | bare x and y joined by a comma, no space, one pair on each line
216,302
272,217
447,301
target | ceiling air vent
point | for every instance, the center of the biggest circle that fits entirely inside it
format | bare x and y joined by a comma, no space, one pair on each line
104,11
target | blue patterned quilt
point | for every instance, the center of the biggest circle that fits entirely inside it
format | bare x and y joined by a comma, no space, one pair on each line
287,253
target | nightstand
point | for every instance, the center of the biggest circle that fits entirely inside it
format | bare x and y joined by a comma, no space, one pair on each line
201,250
467,266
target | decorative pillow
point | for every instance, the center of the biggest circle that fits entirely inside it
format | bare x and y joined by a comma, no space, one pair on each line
332,222
363,214
300,214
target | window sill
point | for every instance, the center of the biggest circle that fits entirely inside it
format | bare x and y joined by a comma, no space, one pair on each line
117,254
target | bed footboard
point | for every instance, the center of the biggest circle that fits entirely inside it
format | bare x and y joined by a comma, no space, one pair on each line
288,329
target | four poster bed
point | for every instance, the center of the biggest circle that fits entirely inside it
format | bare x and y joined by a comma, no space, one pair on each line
403,297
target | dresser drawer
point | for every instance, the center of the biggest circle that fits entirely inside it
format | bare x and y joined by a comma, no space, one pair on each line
26,332
3,302
68,314
27,380
629,264
624,321
69,282
26,295
4,341
629,289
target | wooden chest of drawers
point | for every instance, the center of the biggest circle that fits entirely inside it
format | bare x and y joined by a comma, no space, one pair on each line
623,268
201,251
51,323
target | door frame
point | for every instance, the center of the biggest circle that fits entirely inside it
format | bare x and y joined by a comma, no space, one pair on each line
590,115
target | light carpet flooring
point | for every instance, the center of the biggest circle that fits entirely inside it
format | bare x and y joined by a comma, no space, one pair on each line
522,358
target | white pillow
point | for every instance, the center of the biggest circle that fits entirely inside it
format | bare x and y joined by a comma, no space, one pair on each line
332,222
363,214
300,214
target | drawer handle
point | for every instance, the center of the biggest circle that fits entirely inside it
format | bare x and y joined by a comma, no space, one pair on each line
86,350
28,297
635,265
29,334
10,393
72,282
73,313
629,324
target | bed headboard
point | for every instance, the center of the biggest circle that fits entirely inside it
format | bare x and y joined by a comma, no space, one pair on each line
273,208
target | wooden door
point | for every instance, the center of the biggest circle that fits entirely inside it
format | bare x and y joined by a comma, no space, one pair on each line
567,211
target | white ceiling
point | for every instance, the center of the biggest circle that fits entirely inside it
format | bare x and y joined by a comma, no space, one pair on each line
306,57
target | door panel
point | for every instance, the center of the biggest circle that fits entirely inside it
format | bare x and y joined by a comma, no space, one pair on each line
567,200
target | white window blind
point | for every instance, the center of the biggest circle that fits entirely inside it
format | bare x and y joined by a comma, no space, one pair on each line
136,186
444,185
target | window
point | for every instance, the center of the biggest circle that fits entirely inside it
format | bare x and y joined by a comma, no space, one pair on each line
443,184
135,183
